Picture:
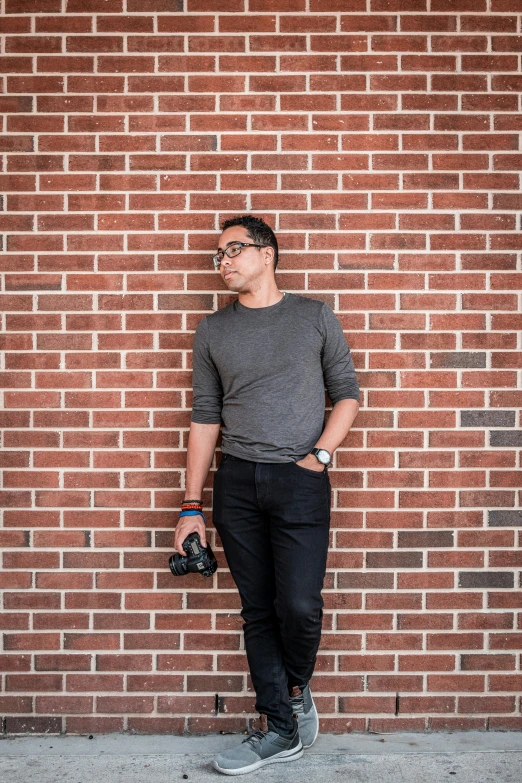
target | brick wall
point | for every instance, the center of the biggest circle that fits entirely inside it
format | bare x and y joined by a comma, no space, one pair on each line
381,139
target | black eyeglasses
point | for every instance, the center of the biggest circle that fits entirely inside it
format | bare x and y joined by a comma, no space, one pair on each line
231,251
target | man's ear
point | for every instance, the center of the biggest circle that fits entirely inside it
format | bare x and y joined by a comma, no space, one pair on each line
269,255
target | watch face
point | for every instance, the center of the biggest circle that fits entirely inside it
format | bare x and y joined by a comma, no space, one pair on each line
323,456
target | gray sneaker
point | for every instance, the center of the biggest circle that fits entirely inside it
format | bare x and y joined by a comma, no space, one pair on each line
258,749
304,708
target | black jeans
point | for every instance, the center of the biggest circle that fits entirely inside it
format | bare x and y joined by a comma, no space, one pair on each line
273,520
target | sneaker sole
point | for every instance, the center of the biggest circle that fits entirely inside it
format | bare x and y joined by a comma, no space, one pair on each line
285,755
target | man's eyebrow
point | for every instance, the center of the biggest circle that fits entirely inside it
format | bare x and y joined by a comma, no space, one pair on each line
232,242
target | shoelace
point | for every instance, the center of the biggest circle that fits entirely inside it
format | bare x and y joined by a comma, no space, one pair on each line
257,736
297,703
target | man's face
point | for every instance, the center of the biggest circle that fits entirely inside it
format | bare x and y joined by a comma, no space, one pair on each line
242,272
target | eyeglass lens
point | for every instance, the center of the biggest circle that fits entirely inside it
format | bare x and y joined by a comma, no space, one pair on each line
231,251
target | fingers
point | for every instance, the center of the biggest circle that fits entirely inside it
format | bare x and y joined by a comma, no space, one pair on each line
179,537
186,526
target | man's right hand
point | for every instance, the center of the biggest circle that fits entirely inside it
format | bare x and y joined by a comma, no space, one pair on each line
192,523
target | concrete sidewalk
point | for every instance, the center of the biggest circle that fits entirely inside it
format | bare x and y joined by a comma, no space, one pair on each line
464,757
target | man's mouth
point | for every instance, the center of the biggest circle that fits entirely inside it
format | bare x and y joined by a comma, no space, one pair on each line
228,274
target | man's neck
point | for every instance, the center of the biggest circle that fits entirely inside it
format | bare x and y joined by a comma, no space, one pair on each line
261,298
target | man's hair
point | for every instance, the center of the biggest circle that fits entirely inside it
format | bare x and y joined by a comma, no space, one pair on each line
256,228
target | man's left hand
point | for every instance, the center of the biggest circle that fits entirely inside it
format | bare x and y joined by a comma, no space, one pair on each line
312,463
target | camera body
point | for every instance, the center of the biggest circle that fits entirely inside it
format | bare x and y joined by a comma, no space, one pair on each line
199,559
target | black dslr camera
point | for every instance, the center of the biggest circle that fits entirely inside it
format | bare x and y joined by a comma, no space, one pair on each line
199,560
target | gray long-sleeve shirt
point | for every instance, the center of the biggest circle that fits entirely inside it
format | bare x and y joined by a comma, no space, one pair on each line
262,372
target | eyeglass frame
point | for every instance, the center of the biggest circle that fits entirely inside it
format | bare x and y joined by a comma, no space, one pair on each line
216,259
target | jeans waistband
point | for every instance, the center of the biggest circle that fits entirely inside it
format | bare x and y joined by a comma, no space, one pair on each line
254,462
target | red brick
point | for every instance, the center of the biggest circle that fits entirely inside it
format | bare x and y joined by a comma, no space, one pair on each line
365,704
94,682
365,663
505,682
426,704
486,704
456,682
426,662
401,682
491,662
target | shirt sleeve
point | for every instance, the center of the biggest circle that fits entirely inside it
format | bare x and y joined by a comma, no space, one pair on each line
338,368
206,383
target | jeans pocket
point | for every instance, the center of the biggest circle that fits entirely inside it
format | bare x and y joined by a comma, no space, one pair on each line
311,472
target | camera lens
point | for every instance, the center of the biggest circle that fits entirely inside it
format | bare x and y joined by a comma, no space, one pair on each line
178,564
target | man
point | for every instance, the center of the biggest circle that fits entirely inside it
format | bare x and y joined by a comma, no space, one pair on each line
261,365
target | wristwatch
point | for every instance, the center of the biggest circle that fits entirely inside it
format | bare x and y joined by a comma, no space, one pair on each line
322,455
